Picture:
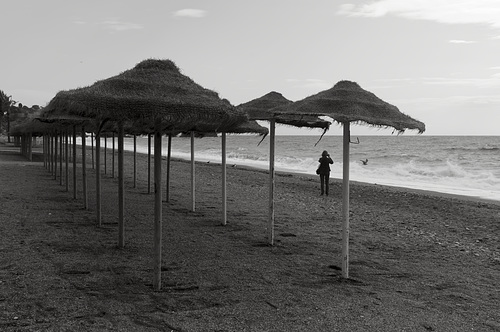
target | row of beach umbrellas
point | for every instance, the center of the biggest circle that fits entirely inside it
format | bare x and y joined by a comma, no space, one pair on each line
155,98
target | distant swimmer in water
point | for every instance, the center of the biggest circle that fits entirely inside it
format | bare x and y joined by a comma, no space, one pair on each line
365,162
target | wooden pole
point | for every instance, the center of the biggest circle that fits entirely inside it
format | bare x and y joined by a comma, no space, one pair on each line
169,157
30,147
345,203
193,199
44,143
98,178
61,154
92,148
74,162
105,154
70,150
224,183
51,153
43,149
54,144
113,157
67,159
270,226
55,156
149,163
158,207
135,160
84,168
121,191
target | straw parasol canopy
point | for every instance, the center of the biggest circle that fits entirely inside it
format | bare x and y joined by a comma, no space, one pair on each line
33,127
348,102
152,90
259,109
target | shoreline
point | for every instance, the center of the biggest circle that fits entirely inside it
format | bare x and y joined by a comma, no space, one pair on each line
311,176
402,187
351,182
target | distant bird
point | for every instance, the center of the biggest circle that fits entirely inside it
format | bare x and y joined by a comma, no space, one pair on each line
234,165
365,162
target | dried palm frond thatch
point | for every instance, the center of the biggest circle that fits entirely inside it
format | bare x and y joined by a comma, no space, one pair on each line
259,109
34,127
153,90
348,102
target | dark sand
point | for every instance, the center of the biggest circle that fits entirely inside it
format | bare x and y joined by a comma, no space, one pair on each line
420,261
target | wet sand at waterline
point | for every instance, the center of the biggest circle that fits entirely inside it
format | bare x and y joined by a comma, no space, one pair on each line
420,261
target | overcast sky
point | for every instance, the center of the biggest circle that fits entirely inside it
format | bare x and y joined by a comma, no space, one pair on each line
436,60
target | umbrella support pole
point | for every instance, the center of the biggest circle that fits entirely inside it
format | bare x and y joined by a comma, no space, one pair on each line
345,202
84,169
158,210
270,226
51,152
135,160
74,163
30,146
193,199
224,183
105,154
92,149
149,163
66,154
55,156
121,191
98,178
169,157
113,157
61,154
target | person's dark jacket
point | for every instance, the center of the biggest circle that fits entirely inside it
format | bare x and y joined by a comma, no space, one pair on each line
324,165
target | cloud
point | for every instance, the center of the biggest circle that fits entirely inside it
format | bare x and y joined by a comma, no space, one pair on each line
443,11
458,41
192,13
116,25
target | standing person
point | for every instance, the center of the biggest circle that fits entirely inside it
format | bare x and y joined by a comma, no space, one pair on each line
324,171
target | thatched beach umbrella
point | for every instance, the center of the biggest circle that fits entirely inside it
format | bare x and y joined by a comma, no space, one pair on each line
347,102
259,109
26,131
160,98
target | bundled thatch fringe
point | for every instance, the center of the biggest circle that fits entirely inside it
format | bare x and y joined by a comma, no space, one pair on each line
154,90
260,109
348,102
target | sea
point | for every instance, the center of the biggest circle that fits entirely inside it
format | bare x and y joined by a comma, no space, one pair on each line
462,165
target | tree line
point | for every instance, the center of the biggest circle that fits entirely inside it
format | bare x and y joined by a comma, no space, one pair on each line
13,113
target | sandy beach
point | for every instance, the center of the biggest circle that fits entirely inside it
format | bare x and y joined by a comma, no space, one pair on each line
420,261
